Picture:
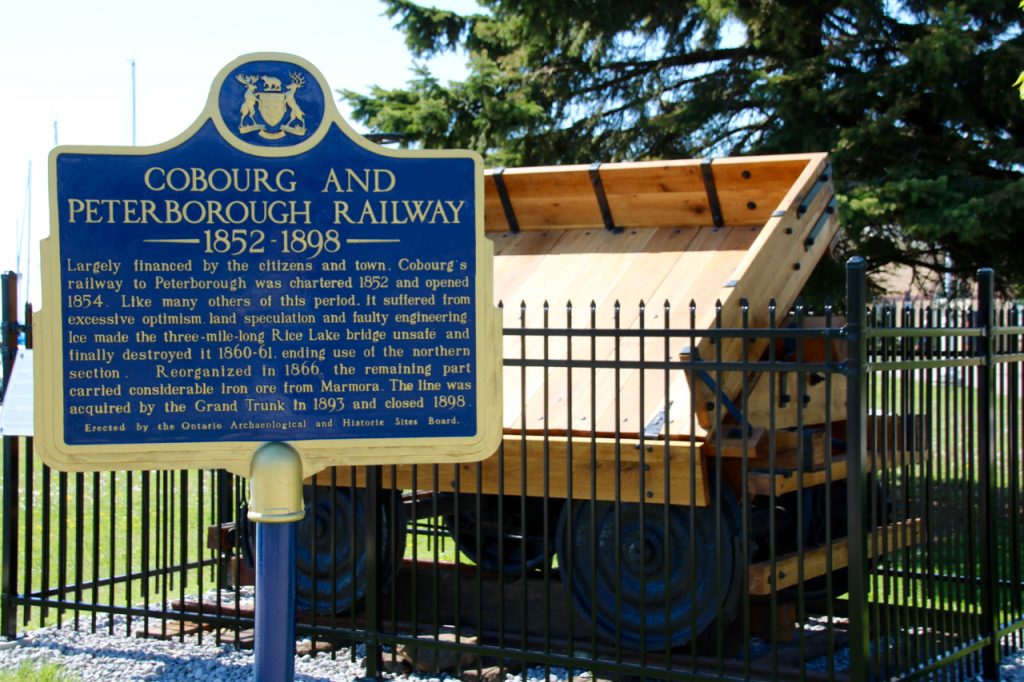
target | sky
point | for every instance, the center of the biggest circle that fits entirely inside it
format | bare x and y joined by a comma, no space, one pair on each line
66,71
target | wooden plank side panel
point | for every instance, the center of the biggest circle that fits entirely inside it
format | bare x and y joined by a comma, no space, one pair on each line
613,277
775,266
710,264
644,194
789,288
556,271
563,253
656,194
785,280
776,243
614,467
778,247
552,197
704,269
673,257
609,265
647,276
524,255
751,188
521,254
677,288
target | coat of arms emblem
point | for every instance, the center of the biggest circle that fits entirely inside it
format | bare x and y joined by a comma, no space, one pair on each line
264,109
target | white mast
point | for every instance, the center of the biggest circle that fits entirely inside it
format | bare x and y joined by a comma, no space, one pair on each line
133,101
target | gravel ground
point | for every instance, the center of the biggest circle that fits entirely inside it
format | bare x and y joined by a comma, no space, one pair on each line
101,657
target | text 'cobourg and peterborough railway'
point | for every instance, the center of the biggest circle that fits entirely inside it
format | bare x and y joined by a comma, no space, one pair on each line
288,311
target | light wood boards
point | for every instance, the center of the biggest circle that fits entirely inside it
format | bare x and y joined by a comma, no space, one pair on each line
532,466
640,194
775,267
564,271
643,277
765,405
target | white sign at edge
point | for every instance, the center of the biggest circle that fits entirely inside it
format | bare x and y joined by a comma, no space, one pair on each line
16,414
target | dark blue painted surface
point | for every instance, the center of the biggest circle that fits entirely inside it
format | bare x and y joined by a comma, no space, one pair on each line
274,642
116,215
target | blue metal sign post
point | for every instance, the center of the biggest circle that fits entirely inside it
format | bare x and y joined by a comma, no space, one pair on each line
276,506
274,646
268,277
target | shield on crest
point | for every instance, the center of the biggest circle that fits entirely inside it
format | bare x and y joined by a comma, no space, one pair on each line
272,107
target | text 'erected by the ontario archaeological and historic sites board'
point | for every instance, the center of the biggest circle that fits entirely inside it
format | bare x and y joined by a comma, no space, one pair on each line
211,296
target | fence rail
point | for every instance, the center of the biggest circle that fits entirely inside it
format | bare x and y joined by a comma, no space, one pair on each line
853,512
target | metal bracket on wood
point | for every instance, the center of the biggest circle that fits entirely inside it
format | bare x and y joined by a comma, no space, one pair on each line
822,180
506,203
784,396
820,225
703,375
602,198
712,191
654,427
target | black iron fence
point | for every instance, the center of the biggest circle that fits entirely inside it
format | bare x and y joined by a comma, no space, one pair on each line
798,497
948,472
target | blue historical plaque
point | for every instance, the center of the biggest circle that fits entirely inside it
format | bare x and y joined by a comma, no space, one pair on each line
269,275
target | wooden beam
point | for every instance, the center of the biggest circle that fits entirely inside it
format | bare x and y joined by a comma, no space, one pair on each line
619,471
761,578
753,446
787,480
818,398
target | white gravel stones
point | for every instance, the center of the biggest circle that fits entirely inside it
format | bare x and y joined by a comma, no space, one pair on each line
101,657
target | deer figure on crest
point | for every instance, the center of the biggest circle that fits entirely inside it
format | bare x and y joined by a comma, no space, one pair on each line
248,109
297,115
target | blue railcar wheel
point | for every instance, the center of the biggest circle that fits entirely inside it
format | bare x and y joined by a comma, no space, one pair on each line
331,570
681,593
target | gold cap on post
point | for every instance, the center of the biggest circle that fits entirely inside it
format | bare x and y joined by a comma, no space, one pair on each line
275,485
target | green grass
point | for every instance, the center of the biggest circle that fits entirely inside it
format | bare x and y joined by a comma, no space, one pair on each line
103,551
940,482
50,672
432,540
95,536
